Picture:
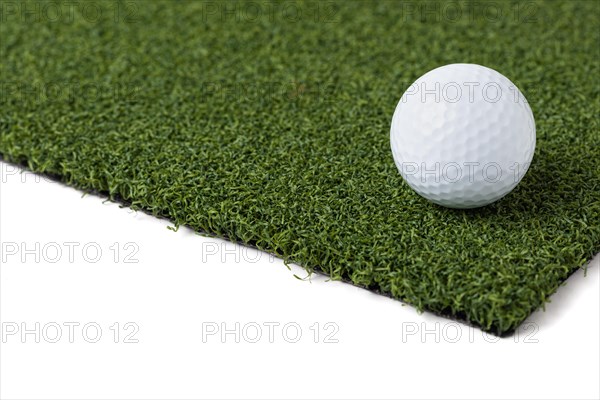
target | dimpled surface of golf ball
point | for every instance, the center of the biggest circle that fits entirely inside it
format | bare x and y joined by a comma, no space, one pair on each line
462,136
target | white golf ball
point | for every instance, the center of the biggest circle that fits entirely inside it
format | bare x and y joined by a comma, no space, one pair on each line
463,136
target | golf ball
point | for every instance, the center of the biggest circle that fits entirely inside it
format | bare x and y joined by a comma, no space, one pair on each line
462,136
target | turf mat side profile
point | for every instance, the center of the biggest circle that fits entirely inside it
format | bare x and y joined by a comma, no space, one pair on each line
274,131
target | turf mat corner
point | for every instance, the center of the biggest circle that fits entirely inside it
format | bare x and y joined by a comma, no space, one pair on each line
273,130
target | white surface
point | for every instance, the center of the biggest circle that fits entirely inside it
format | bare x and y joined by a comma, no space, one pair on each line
463,135
180,283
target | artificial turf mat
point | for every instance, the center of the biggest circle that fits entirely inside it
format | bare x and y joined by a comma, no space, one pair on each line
271,128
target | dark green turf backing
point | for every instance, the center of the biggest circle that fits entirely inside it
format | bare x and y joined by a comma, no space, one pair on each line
270,126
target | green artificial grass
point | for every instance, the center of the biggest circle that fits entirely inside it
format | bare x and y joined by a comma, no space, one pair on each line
271,128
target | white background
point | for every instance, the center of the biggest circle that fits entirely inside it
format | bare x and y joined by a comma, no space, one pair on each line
184,285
